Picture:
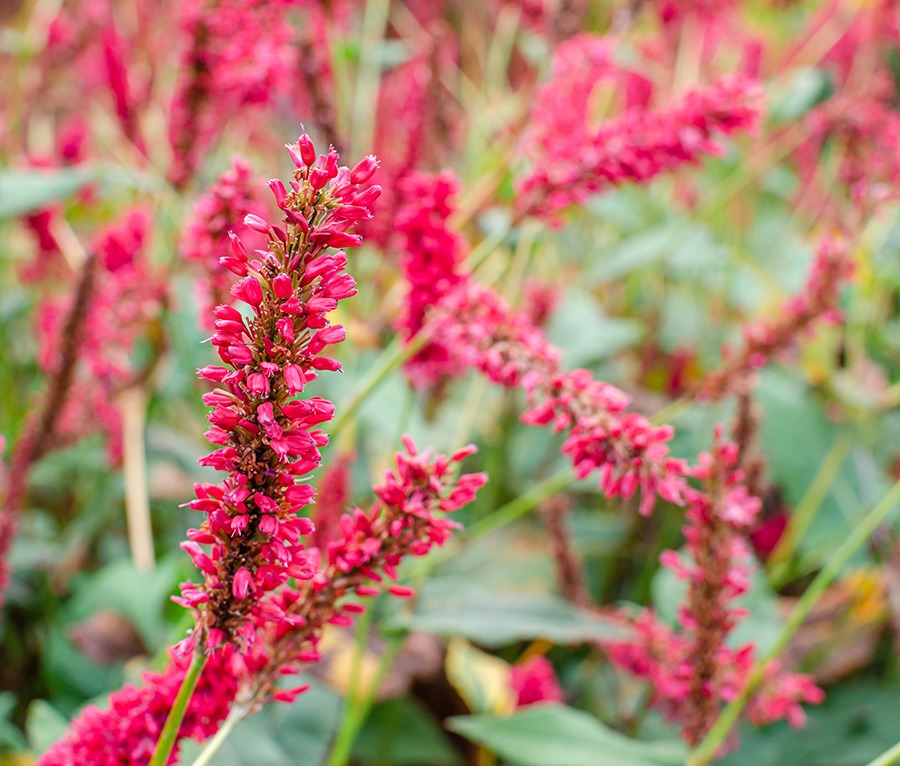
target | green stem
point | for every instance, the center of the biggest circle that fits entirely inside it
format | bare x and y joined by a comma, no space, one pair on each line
235,716
169,734
705,751
887,758
810,502
362,124
519,506
357,714
396,353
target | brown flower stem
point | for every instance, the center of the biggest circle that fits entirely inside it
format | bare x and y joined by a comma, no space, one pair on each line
39,430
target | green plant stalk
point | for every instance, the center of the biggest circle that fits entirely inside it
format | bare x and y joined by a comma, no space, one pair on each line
396,353
365,95
169,734
887,758
811,501
235,716
706,750
519,506
357,714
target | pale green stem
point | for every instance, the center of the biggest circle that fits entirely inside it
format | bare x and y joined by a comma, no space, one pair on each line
887,758
706,750
235,716
356,716
396,353
169,735
812,500
518,507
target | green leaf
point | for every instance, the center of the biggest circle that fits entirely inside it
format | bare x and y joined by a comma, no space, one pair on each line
448,607
401,732
11,737
44,726
807,88
22,191
562,736
585,333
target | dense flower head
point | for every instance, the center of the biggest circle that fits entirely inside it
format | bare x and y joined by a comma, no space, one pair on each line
125,731
237,53
220,209
431,262
267,439
693,669
636,146
407,519
478,329
817,301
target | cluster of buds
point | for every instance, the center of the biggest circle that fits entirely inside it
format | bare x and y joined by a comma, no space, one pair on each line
408,519
268,440
636,146
432,257
480,330
693,670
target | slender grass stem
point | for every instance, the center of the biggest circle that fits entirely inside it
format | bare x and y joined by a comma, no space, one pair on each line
169,735
723,725
235,716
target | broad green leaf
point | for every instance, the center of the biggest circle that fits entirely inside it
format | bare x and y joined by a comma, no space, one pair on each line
44,725
401,732
22,191
563,736
585,334
451,608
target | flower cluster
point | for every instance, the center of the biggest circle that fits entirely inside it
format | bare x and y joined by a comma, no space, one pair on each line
126,731
220,209
693,670
237,54
636,146
267,439
432,255
481,331
534,681
817,301
127,299
407,520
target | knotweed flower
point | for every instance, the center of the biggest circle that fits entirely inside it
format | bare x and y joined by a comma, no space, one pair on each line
534,681
481,331
127,298
267,439
408,519
237,53
693,671
637,146
220,209
431,262
126,731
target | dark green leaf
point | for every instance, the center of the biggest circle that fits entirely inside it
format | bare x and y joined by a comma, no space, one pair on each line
563,736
